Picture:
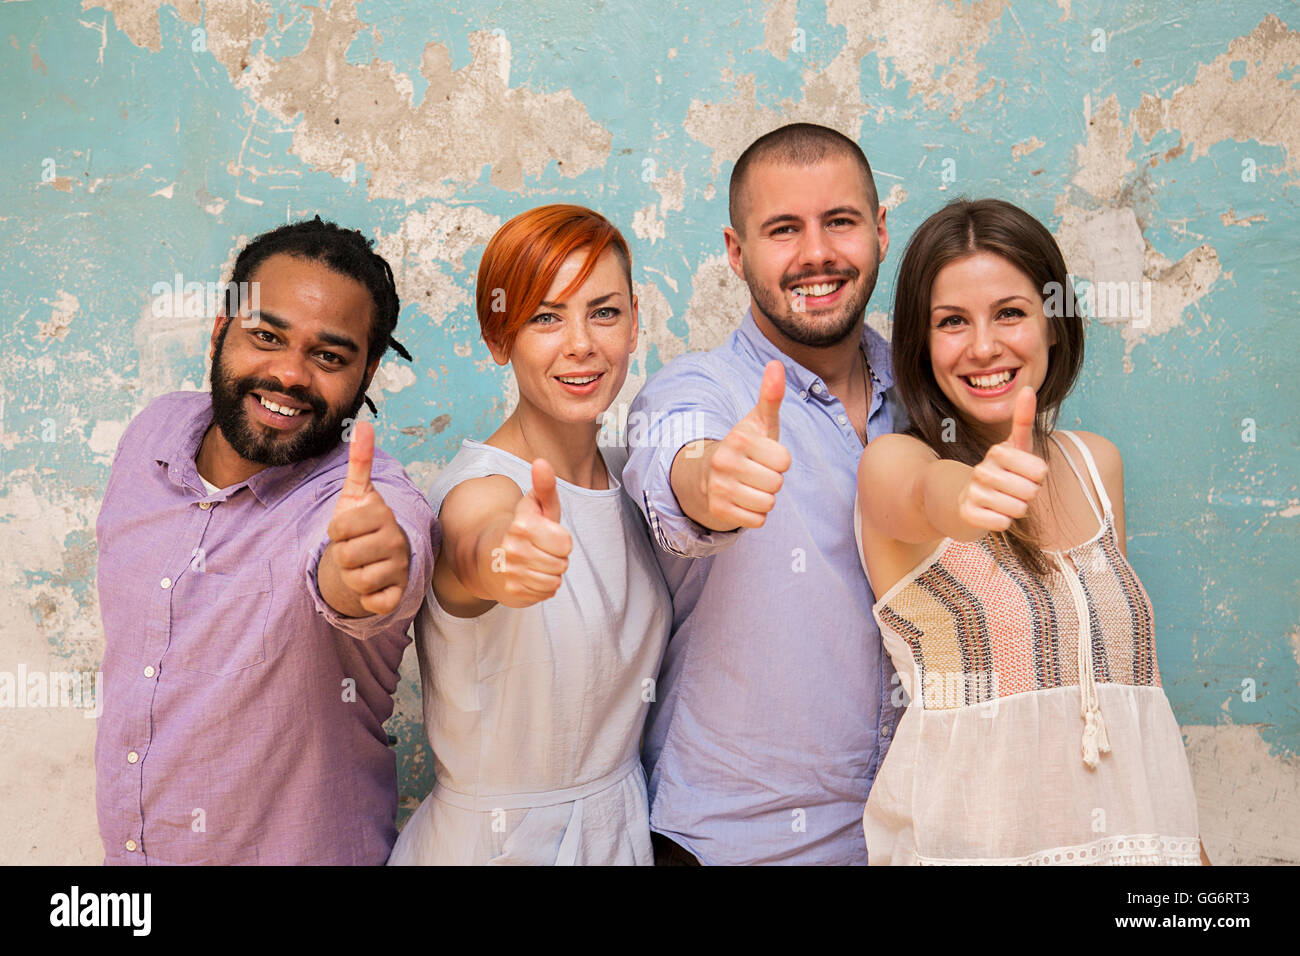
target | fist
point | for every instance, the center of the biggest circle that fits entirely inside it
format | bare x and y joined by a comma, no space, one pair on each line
1001,486
534,554
370,548
747,467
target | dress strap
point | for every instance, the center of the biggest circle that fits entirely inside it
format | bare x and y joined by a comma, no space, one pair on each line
1092,471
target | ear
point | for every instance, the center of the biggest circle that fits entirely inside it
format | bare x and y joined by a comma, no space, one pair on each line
370,374
882,233
732,239
218,324
499,354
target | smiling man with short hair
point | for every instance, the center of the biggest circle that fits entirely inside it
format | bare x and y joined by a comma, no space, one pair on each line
773,710
259,565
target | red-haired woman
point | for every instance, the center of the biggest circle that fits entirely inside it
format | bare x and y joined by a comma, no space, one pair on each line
1038,731
545,625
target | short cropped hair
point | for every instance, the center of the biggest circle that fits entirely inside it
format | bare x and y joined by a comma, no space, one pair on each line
798,144
524,256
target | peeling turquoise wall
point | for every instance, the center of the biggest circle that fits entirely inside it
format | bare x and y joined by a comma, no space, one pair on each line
1159,140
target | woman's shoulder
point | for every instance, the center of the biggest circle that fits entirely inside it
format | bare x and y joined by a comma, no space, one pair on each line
476,470
1104,452
1110,464
887,452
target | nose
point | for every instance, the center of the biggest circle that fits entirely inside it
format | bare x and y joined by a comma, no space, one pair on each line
985,344
815,248
290,368
577,338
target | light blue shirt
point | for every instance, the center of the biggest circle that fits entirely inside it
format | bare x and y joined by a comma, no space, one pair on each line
772,711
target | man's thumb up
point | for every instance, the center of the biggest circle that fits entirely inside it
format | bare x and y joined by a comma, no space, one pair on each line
361,455
770,393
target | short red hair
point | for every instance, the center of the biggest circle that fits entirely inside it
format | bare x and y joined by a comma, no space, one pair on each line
524,256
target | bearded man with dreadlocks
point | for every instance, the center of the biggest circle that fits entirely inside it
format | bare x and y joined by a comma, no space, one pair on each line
259,565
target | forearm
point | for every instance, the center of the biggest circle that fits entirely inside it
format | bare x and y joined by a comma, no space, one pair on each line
689,480
937,496
481,560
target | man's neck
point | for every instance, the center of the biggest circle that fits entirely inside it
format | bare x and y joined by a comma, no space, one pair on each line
838,365
221,465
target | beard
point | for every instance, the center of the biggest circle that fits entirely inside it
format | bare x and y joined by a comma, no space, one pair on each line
255,442
781,313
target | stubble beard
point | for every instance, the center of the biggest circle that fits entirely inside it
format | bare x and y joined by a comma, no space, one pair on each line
781,313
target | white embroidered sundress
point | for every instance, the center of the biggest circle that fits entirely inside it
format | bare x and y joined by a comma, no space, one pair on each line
1037,730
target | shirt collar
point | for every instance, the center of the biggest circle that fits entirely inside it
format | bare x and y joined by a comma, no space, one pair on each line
800,378
181,446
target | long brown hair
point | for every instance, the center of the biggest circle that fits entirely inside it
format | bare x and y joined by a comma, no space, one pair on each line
960,229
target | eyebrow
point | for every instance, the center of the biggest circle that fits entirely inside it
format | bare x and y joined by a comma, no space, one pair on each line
329,338
791,217
957,308
590,302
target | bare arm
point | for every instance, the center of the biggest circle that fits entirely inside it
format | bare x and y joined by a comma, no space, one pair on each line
500,546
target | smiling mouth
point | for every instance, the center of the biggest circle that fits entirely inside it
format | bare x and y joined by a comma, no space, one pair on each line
276,408
816,290
578,379
990,382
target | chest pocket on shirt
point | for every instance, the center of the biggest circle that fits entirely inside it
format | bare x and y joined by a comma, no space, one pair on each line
219,620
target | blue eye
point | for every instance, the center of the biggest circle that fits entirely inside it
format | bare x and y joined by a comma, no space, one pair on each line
543,318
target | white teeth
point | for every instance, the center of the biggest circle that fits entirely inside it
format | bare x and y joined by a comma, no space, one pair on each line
280,409
821,288
991,381
578,381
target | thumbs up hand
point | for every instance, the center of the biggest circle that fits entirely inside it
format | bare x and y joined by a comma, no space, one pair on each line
535,549
1001,486
369,553
745,469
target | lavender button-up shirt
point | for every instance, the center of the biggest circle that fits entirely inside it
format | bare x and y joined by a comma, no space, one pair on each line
243,717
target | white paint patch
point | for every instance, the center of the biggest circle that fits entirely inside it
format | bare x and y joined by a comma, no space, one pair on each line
1248,799
1103,163
718,303
104,439
65,308
778,27
1023,148
419,252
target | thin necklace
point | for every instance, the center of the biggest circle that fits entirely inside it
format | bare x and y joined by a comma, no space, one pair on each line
866,395
533,456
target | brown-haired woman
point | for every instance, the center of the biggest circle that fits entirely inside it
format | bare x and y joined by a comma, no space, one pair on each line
1037,730
545,625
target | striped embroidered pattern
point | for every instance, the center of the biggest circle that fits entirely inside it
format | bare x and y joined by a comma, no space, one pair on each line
980,628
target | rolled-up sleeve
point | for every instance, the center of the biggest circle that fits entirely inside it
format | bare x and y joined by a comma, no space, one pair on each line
683,403
417,521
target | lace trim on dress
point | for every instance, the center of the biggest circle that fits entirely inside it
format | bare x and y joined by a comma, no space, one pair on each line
1145,850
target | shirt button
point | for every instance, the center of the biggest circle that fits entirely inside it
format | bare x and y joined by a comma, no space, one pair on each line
132,757
817,387
131,845
165,583
842,419
884,731
149,671
205,505
803,394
